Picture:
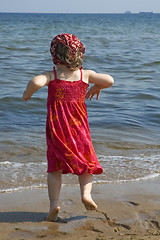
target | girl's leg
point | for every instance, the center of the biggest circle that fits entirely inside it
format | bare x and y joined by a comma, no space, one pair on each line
85,181
54,187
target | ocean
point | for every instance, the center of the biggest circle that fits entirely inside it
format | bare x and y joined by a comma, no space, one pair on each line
124,122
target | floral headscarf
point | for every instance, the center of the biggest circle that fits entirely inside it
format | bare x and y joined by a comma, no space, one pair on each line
69,40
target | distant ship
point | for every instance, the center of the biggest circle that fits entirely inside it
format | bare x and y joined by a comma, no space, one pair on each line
128,12
146,12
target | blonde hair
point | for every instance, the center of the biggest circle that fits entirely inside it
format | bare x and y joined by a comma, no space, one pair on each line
65,57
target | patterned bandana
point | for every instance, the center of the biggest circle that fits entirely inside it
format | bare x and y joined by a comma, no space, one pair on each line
69,40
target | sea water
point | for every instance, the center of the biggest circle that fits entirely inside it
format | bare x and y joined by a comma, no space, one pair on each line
124,122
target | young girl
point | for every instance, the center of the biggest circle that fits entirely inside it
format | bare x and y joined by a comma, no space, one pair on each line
69,145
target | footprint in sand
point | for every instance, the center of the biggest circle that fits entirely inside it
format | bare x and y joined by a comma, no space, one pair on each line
151,224
113,223
155,224
146,221
68,202
130,204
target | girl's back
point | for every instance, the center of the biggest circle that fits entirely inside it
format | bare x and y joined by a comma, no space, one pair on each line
72,89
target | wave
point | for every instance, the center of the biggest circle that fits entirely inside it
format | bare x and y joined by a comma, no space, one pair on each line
145,178
18,49
8,190
150,64
44,186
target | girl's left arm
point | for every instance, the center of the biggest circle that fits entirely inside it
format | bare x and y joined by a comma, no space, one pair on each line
35,84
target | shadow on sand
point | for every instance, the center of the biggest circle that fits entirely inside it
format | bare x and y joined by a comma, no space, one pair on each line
13,217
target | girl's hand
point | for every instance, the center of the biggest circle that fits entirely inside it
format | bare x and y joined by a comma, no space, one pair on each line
25,98
93,91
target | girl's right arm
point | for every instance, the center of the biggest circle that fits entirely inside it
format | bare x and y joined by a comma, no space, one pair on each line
100,82
35,84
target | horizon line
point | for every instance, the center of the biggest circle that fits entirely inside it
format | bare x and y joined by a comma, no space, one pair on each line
126,12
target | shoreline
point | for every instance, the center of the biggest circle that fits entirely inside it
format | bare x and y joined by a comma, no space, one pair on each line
125,211
150,177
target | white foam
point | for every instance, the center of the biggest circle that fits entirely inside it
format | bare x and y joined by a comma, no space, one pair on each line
145,178
150,176
117,169
15,164
23,188
5,163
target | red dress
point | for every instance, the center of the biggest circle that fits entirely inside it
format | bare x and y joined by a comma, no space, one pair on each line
69,144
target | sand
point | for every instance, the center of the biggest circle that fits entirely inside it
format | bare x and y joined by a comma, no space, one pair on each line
125,211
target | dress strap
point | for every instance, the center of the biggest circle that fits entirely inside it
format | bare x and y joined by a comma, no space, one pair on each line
55,74
81,74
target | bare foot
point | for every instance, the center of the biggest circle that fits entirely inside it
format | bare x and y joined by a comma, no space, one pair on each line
89,204
53,215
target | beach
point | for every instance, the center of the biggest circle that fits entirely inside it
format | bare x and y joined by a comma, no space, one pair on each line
124,125
125,211
124,122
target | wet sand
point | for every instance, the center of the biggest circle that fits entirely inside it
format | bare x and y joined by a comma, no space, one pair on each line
125,211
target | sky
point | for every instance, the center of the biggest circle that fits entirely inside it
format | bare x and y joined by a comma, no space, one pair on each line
79,6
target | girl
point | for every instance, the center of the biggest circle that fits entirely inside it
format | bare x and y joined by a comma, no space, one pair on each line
69,145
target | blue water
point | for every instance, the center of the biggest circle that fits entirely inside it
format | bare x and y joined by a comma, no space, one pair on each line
124,122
